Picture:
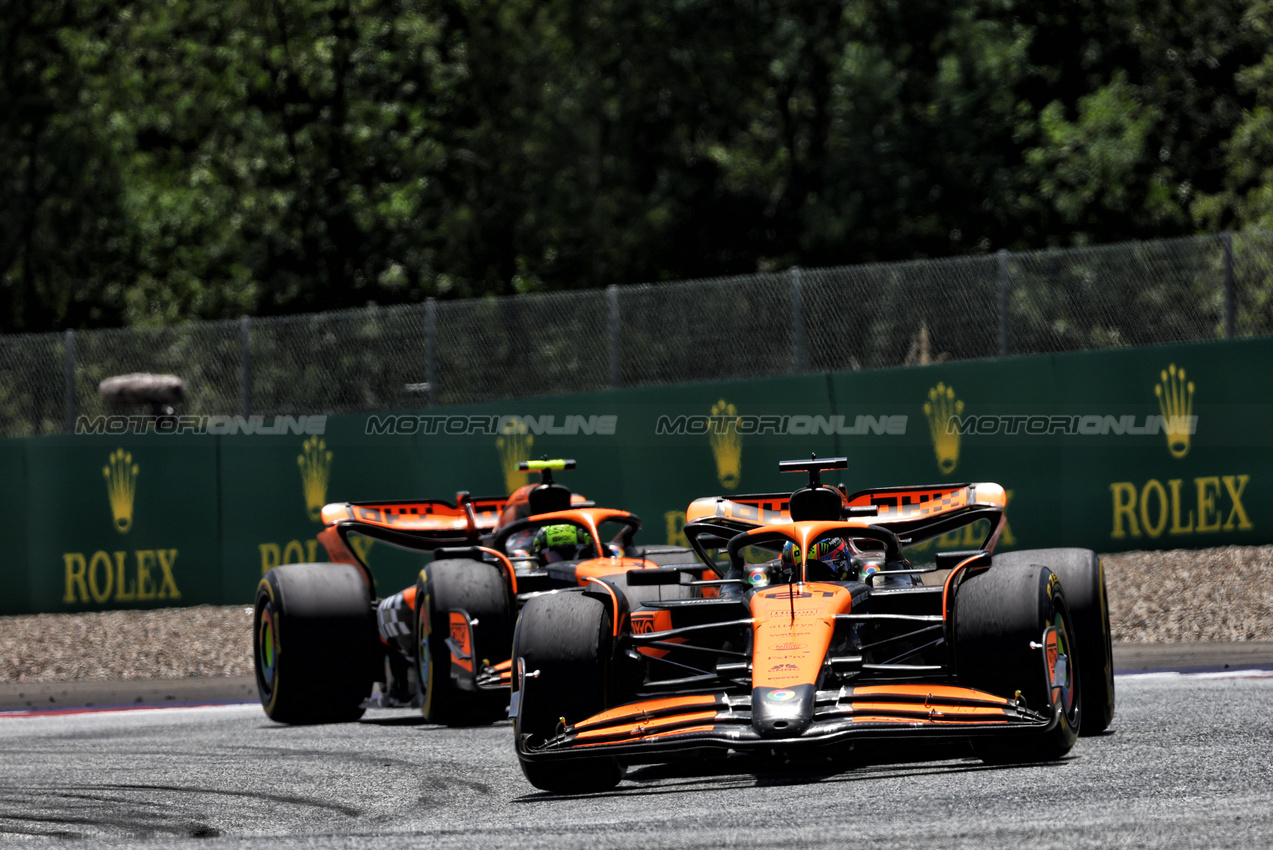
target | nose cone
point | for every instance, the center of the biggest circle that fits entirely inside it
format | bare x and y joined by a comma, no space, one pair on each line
782,712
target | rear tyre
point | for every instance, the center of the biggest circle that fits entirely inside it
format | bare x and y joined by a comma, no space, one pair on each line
998,614
1083,578
564,643
314,643
480,591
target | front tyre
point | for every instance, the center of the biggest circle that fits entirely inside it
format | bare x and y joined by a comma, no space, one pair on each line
1000,619
564,645
1083,578
315,646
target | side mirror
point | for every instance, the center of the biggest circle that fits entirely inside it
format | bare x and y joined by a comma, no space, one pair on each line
950,560
651,577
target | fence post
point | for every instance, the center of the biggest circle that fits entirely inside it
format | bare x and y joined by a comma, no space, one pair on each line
245,363
797,322
431,349
68,372
1230,306
1005,284
612,302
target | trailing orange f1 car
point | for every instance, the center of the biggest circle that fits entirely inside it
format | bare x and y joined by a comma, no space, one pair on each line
821,634
322,638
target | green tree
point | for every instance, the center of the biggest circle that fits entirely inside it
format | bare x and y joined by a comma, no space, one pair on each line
1134,107
63,245
206,159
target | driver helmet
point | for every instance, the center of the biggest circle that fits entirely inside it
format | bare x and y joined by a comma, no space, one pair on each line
829,559
562,542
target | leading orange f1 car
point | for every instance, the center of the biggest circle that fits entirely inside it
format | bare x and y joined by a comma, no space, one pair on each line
821,634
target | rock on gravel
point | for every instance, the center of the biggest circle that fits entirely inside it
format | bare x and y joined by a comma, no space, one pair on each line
1220,594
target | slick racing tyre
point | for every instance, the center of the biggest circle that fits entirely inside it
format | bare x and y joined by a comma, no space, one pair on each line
1000,617
564,644
449,690
1083,580
314,643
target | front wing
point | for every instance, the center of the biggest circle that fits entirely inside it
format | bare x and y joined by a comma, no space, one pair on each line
723,721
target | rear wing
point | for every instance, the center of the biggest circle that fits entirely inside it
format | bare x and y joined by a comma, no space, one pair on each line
758,509
424,524
915,513
906,503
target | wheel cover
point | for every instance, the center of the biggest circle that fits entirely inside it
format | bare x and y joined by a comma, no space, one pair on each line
1060,672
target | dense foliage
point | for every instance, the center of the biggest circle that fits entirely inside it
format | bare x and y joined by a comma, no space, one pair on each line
178,159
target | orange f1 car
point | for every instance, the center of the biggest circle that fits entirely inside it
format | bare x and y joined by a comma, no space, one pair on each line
326,647
820,634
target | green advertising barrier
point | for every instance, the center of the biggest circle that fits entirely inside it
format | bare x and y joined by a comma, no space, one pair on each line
1147,448
122,522
1171,488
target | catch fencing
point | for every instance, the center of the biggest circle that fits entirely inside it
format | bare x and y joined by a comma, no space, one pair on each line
802,320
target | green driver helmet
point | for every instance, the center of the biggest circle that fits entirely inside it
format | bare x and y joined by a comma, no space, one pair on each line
561,542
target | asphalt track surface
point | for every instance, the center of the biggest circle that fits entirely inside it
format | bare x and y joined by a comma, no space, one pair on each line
1185,764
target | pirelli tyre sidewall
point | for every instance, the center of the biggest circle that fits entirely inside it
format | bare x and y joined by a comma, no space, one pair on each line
563,668
315,646
1083,580
1000,619
482,593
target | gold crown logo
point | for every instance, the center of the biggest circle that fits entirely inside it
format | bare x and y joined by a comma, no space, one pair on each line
315,462
121,487
727,445
940,408
514,445
1175,400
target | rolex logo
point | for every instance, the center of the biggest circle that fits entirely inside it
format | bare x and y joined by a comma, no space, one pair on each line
1175,400
727,444
315,462
940,408
121,487
513,445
